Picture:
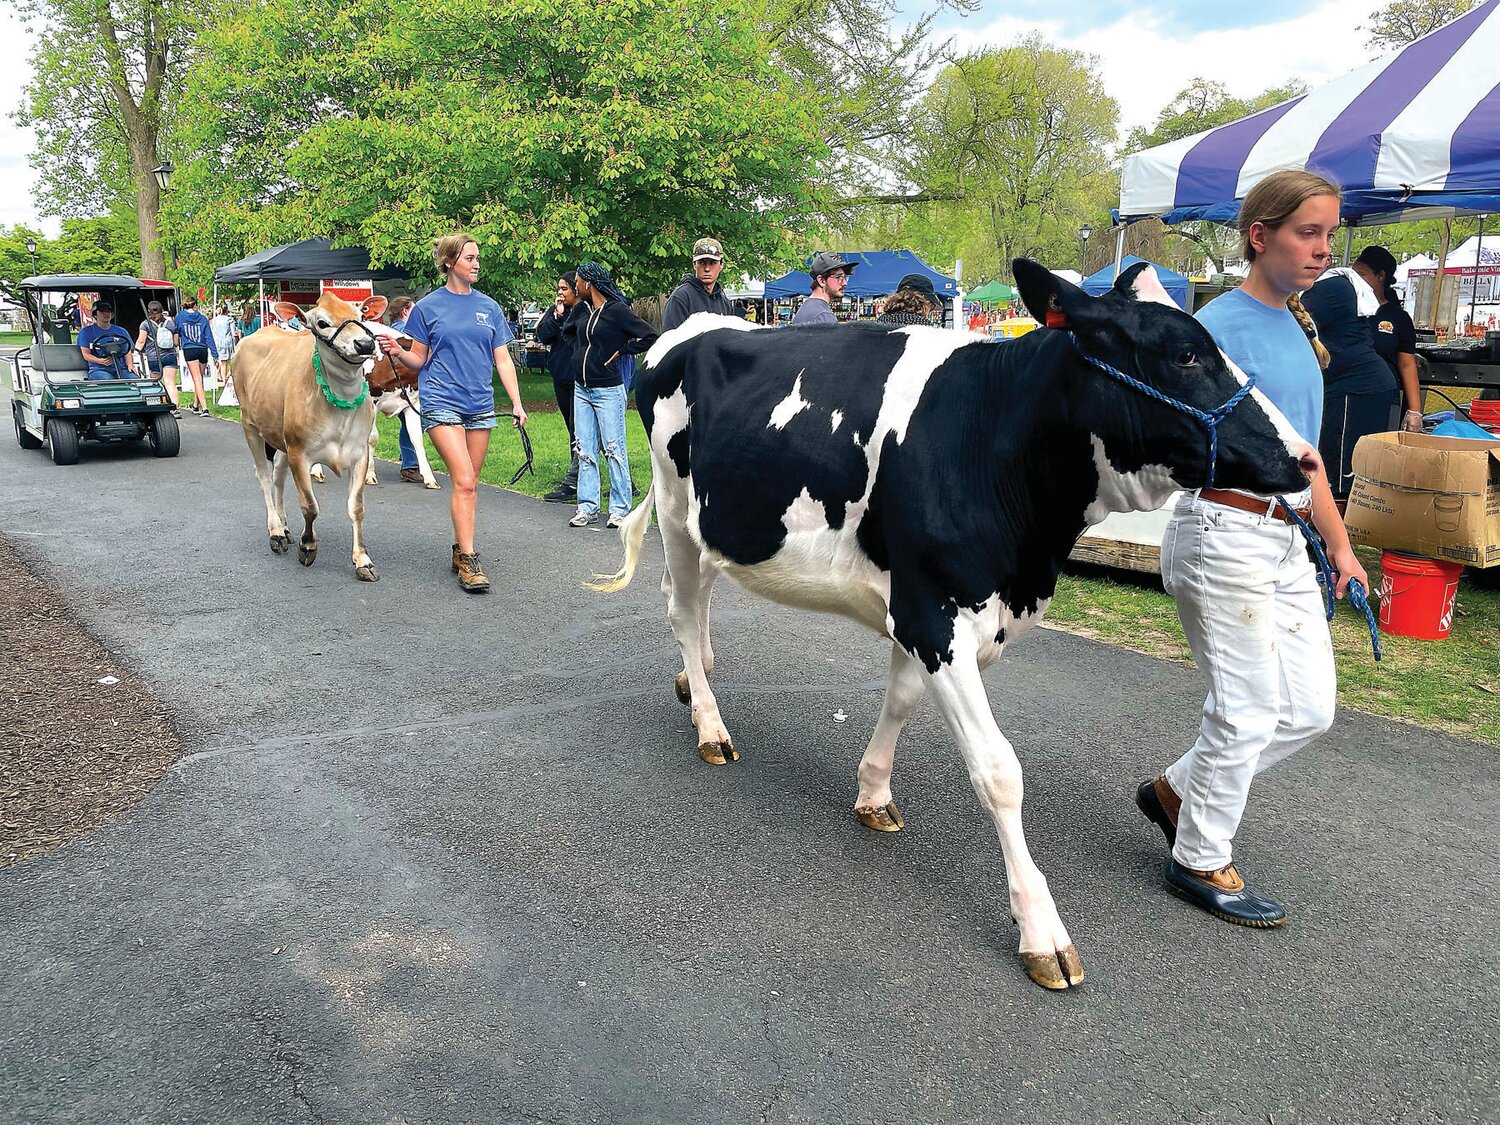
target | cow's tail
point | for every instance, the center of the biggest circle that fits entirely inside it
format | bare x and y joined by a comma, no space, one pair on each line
632,534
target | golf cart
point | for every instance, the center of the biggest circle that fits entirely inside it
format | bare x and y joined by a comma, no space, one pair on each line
54,397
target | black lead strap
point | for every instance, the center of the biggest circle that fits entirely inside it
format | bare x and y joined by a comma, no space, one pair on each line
528,465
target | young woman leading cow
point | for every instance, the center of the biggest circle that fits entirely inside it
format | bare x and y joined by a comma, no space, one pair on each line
460,336
1246,590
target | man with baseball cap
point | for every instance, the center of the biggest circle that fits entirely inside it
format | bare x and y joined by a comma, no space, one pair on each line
830,274
700,290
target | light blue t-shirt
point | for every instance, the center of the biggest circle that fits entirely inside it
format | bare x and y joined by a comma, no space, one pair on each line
1269,344
461,332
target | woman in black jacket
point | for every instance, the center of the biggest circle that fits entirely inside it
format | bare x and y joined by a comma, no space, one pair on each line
558,329
607,332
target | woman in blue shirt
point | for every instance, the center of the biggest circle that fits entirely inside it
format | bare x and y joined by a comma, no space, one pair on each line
459,338
198,344
1246,591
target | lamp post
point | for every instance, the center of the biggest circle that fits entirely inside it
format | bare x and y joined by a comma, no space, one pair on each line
31,249
1083,253
163,173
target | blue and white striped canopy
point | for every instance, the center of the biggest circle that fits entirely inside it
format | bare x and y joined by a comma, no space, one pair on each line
1418,129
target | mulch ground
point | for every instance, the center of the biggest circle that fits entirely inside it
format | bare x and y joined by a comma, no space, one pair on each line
74,751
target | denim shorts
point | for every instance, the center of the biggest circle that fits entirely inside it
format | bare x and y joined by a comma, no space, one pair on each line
483,420
155,365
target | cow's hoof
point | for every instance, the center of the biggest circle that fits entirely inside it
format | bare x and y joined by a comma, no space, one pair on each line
1057,971
281,544
306,555
887,818
367,573
718,753
432,484
684,693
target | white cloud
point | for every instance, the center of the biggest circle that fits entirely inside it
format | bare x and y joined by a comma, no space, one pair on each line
1145,62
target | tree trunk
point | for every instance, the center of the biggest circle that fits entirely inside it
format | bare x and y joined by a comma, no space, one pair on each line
148,207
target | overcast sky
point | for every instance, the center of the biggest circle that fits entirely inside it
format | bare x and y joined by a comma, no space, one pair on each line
1147,51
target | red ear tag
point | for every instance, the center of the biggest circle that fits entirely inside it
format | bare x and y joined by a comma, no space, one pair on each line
1056,318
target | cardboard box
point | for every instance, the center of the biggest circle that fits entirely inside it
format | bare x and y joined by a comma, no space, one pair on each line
1433,496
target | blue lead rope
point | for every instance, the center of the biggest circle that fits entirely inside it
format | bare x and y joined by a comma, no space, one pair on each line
1208,419
1328,578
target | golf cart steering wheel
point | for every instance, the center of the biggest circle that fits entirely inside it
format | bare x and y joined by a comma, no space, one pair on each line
110,347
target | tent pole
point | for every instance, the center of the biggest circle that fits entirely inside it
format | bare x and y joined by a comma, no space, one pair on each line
1348,238
1119,248
1442,272
1478,257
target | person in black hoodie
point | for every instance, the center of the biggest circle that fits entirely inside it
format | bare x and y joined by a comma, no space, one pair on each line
700,290
607,332
558,329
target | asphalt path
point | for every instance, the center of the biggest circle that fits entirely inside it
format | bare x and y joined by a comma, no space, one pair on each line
437,858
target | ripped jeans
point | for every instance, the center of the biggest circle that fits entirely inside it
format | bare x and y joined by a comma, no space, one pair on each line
599,423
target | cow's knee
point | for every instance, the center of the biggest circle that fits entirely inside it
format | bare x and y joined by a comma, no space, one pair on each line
999,786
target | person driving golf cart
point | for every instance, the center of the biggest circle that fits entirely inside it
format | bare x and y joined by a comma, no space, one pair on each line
105,345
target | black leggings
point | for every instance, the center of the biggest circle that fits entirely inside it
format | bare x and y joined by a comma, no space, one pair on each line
563,389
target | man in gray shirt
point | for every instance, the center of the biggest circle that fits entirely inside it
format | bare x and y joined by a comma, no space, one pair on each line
829,273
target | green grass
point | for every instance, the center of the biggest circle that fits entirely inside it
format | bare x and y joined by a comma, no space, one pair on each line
1451,685
14,338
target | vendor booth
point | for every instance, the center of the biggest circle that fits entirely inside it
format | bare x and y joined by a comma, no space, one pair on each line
301,271
1413,135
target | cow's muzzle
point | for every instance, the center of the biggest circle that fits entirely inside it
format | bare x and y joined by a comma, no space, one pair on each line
363,345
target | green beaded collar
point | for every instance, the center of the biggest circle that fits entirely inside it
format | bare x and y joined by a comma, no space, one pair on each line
333,399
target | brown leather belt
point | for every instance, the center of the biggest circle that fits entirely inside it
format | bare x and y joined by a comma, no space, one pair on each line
1251,504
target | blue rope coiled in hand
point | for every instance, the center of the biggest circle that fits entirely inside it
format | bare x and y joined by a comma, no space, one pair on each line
1328,578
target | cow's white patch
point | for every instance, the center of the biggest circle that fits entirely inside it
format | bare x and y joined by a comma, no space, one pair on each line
1148,287
1142,491
671,420
838,420
805,514
789,407
695,325
926,350
1295,443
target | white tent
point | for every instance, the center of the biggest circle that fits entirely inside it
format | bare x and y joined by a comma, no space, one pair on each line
1420,262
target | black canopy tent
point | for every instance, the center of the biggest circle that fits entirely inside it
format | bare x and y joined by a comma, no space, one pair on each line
312,259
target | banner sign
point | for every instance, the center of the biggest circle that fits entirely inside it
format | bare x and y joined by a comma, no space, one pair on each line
353,290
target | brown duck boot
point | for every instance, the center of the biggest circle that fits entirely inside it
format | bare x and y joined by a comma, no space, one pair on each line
1161,805
470,577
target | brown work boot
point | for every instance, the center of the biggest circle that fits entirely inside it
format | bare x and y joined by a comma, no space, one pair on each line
470,577
457,554
412,476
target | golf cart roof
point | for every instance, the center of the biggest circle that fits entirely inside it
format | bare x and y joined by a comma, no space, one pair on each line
89,282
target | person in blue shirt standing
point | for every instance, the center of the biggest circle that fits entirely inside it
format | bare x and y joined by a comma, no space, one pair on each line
110,361
197,337
399,311
459,338
1246,591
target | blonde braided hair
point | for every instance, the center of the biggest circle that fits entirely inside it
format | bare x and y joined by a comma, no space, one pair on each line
1272,202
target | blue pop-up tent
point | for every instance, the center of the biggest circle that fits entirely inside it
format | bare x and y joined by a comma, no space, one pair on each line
877,274
1174,283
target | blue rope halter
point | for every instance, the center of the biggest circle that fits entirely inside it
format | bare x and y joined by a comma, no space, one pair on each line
1208,419
1328,578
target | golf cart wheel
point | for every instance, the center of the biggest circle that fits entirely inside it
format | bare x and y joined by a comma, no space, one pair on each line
62,437
24,437
164,435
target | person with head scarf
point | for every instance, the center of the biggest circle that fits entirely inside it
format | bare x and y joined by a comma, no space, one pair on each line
1395,335
607,332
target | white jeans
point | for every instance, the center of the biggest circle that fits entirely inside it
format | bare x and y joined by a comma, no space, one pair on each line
1249,601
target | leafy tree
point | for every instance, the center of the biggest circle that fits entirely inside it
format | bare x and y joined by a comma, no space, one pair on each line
1020,137
1404,21
101,91
553,131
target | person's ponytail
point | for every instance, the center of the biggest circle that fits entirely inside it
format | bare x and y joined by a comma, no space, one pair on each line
1304,318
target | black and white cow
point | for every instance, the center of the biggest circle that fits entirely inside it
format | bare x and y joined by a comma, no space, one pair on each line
931,485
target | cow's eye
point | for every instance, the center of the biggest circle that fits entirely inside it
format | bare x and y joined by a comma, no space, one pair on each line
1187,358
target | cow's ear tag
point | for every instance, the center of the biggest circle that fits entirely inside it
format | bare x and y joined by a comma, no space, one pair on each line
1054,316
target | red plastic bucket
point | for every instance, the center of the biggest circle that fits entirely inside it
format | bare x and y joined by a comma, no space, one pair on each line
1416,595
